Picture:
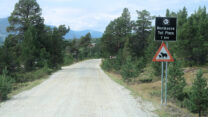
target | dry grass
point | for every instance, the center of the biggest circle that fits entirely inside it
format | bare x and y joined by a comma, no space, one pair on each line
152,91
190,73
20,87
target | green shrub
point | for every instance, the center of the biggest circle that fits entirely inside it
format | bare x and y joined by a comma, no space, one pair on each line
5,85
68,60
140,63
33,75
129,70
117,62
176,81
106,64
197,100
145,80
157,68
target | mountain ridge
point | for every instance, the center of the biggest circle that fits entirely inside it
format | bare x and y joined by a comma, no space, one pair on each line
70,35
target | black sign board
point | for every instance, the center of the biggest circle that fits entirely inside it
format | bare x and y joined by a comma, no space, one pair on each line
165,29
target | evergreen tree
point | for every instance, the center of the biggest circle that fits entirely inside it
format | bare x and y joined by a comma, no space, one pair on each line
25,14
182,17
10,50
142,29
25,21
55,46
198,101
127,51
115,34
129,70
167,13
5,84
85,41
109,45
152,47
192,37
28,49
84,46
176,81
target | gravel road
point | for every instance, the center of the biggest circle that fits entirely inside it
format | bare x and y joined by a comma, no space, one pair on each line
79,90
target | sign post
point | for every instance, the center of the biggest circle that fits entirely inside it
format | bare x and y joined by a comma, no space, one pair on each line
165,30
166,79
162,83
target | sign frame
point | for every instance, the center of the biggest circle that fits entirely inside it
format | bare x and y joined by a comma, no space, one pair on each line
158,52
161,18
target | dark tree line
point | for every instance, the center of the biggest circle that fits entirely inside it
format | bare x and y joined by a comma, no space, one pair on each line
83,48
31,46
132,43
125,38
34,49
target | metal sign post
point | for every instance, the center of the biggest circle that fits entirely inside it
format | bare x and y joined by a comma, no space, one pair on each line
163,55
165,30
162,84
166,79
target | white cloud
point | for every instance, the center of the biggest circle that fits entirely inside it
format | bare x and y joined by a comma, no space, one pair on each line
78,19
96,14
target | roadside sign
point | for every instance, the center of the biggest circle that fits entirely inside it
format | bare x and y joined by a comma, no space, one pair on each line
163,54
165,29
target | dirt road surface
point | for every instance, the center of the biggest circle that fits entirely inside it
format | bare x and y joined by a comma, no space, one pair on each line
79,90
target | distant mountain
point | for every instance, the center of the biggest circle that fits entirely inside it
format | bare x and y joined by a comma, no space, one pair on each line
71,35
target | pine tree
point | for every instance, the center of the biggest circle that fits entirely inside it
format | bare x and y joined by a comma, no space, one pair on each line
176,81
142,29
198,101
192,37
5,84
167,13
25,21
84,46
129,70
85,40
182,17
28,49
10,50
126,51
25,14
115,34
151,48
55,36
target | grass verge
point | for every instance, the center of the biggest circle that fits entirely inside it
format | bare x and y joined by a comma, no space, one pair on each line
151,92
28,80
20,87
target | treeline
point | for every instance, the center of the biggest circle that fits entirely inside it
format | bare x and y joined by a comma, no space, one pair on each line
134,40
127,41
80,49
132,45
33,49
31,44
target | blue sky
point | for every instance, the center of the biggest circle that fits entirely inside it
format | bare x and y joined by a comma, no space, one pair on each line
96,14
